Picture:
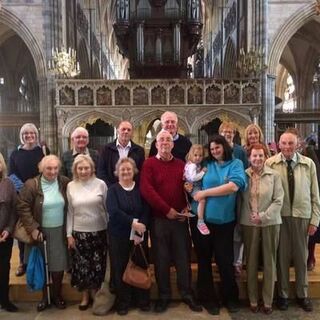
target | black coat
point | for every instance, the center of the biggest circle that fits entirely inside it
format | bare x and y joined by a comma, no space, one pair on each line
110,156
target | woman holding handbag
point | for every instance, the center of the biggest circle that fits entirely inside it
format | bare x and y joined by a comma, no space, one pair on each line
42,208
23,165
7,221
87,228
127,211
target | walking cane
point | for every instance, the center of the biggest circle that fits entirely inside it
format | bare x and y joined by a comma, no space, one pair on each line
47,271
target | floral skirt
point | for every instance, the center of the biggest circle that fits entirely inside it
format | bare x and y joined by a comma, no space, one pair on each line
89,259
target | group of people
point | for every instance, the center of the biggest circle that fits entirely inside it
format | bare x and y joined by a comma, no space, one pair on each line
238,204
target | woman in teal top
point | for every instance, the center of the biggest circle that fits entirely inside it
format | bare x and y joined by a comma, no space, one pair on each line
224,177
42,205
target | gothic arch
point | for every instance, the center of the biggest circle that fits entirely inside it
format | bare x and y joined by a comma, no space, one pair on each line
288,29
13,22
234,116
79,118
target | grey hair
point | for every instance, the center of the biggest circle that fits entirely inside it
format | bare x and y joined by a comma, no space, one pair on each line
161,132
24,128
78,129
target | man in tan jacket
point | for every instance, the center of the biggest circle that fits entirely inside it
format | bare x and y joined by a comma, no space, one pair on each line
300,217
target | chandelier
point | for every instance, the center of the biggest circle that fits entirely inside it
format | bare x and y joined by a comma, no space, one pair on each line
251,63
64,63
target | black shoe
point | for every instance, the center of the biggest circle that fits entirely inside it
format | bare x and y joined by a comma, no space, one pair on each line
282,304
42,305
61,304
305,304
161,305
233,306
145,307
193,305
9,306
212,308
122,311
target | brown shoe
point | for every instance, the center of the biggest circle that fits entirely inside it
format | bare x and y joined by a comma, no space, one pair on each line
254,308
267,310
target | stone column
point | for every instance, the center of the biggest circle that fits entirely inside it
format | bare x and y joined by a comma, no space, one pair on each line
47,116
268,107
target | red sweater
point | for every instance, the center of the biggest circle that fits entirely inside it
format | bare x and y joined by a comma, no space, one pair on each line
161,185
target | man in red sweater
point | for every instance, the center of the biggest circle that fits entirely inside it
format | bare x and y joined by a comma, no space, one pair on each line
162,187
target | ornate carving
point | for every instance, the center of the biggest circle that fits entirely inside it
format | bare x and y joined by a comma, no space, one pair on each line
249,94
126,114
213,95
62,116
85,96
231,94
140,96
195,95
122,96
66,96
176,95
104,96
191,115
158,95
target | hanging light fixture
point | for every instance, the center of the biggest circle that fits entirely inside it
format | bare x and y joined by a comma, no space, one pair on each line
64,63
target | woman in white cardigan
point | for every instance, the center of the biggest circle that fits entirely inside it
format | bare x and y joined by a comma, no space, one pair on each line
86,228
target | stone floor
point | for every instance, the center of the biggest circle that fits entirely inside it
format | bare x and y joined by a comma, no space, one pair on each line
177,311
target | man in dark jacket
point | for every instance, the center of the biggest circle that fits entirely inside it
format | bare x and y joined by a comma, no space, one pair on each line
80,141
123,146
169,122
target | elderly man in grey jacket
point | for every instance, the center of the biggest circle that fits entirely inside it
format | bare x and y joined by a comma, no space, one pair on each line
300,217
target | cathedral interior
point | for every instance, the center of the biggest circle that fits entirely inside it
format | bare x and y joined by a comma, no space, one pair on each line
93,63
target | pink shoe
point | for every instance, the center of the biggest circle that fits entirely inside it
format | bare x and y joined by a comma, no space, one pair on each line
202,227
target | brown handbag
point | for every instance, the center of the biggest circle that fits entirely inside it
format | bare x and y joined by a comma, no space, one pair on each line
135,275
20,233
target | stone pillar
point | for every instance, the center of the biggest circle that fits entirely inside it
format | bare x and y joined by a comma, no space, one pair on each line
268,96
47,116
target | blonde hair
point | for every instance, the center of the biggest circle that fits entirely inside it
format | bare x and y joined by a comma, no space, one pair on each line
226,125
124,160
193,149
3,173
24,128
82,158
246,133
46,159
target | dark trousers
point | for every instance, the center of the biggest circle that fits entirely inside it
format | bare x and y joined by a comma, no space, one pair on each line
119,256
171,243
220,244
21,252
5,256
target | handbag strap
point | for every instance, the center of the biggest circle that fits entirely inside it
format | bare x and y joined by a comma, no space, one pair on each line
142,252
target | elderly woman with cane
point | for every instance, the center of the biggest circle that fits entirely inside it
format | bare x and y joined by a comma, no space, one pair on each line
42,208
